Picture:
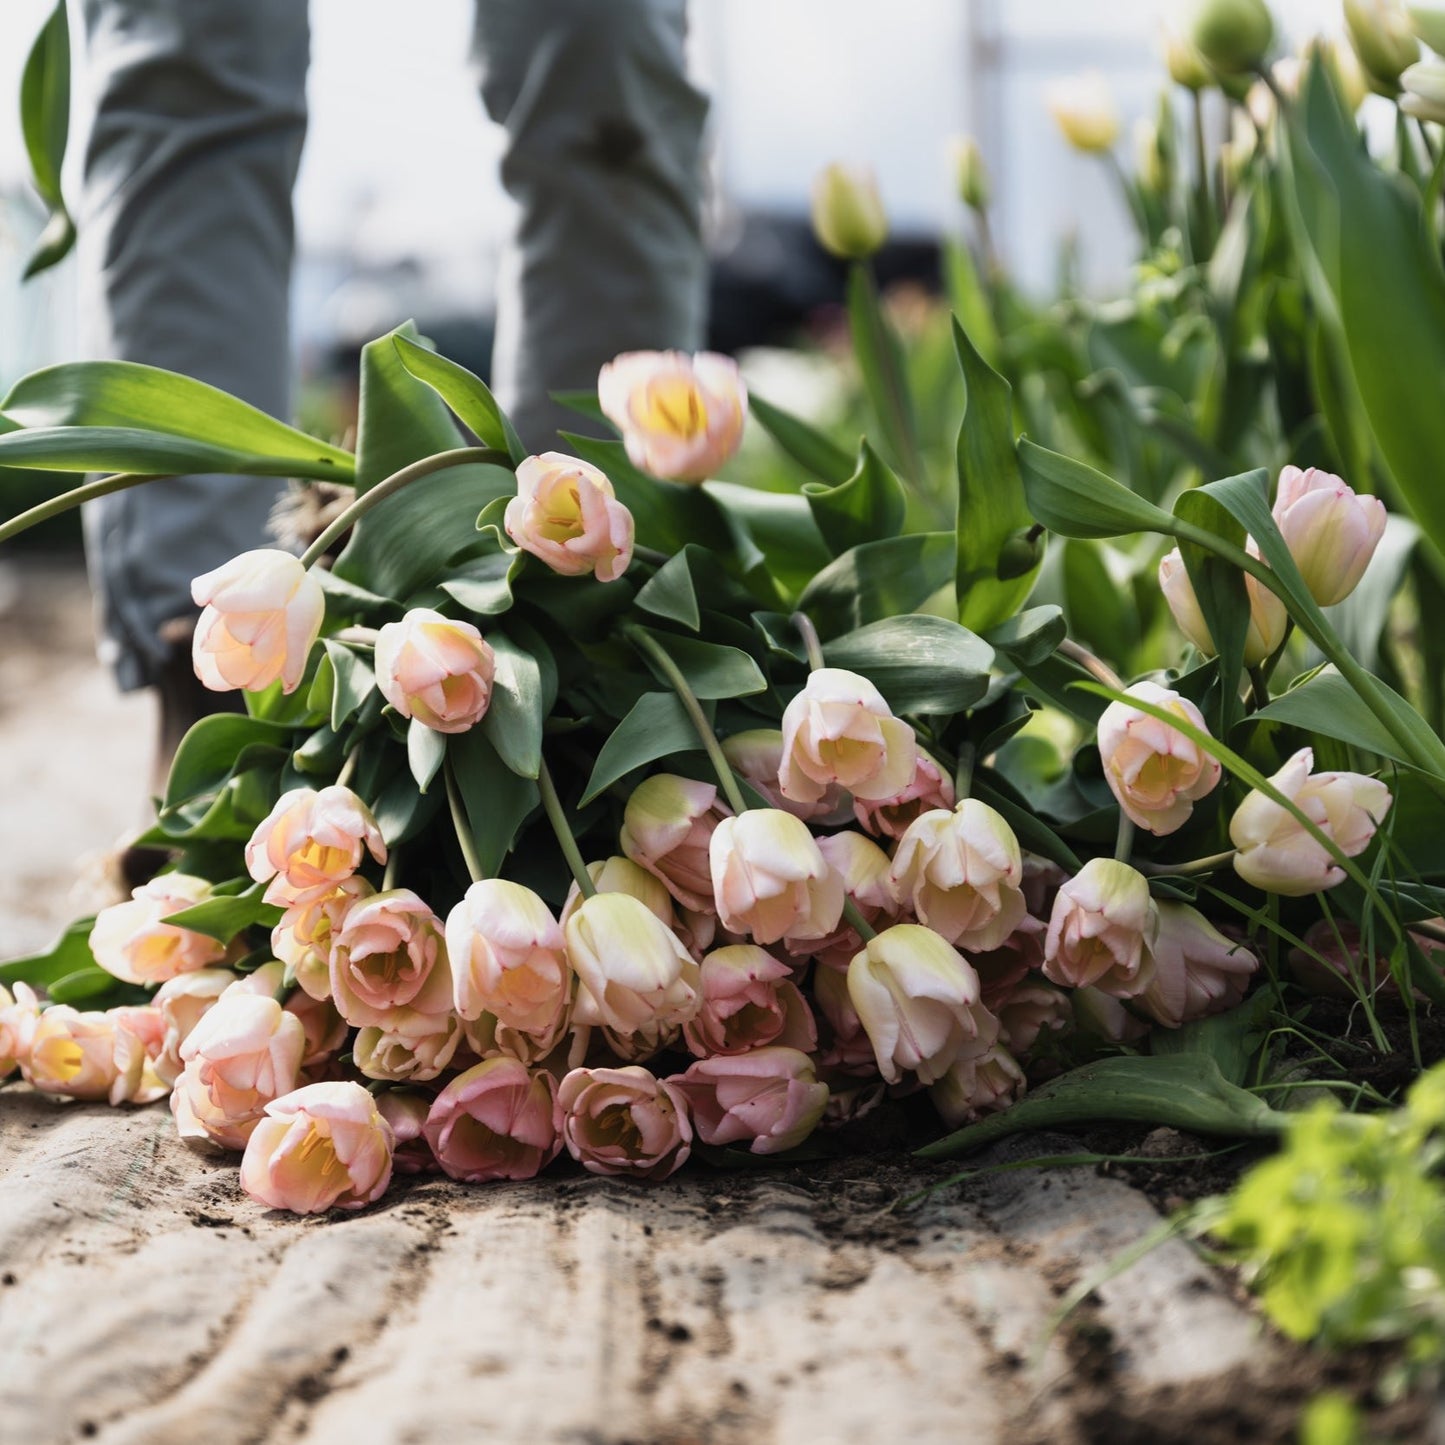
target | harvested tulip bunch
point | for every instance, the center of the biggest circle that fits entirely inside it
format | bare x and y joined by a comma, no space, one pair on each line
585,806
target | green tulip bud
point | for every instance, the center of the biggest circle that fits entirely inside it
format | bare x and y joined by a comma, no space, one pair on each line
1184,63
848,216
1381,36
1233,36
970,174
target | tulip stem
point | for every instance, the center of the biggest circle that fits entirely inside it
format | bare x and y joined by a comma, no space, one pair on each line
1124,838
44,511
1187,870
441,462
393,866
459,823
1092,664
809,634
650,555
854,915
963,773
552,806
348,767
645,643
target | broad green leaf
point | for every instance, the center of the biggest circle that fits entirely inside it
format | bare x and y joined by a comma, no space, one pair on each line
124,406
45,126
354,681
347,599
495,799
1074,500
920,664
1101,611
1182,1091
1029,637
68,953
584,403
223,917
968,299
91,987
402,811
484,584
143,453
669,593
881,362
426,749
992,507
711,669
518,709
807,446
214,747
657,726
868,507
879,580
466,393
774,534
1326,704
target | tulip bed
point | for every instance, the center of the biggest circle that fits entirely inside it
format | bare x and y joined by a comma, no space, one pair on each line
585,804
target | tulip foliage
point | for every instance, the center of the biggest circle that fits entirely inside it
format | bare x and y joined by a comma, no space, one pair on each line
587,804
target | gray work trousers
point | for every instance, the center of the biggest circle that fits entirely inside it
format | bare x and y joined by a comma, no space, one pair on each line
187,238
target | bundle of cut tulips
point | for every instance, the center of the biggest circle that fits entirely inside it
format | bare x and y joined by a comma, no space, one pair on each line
585,806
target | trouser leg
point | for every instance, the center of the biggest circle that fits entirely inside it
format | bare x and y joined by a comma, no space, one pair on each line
186,237
604,138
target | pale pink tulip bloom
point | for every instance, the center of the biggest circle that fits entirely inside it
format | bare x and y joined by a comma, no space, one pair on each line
498,1120
757,755
566,514
1197,970
1330,529
436,670
769,1099
973,1087
667,827
132,941
838,731
771,880
681,417
1277,855
621,875
85,1055
389,953
844,1045
749,1000
929,788
1102,930
261,614
1268,616
322,1147
624,1121
1026,1011
310,842
302,939
182,1003
410,1046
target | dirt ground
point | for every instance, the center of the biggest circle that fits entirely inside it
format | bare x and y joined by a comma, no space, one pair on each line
144,1299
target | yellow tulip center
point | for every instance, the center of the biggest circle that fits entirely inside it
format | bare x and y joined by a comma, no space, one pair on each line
673,404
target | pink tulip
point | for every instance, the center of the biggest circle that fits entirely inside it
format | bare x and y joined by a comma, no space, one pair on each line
1277,855
406,1111
622,875
918,998
508,958
757,756
929,788
19,1015
748,1000
840,732
844,1045
1197,970
1268,617
1026,1011
681,417
389,953
864,868
624,1121
962,872
1155,772
973,1087
410,1046
1331,530
771,881
1102,930
566,513
436,670
310,842
261,614
302,939
88,1055
322,1147
498,1120
183,1002
131,940
769,1099
667,828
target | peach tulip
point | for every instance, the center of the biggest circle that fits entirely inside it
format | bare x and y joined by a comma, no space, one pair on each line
132,941
769,1098
1268,617
749,1000
436,670
624,1121
1197,970
771,880
930,787
1102,930
666,828
838,731
389,953
498,1120
1330,529
567,514
302,939
310,842
975,1086
183,1002
411,1046
756,756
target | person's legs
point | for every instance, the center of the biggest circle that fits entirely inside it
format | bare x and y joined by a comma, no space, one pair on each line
186,236
604,155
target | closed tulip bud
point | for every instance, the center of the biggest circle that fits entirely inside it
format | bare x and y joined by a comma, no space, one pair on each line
260,614
310,842
1383,39
1232,36
770,880
624,1121
1084,110
1332,959
1423,91
507,957
322,1147
681,417
634,971
1149,164
567,514
962,871
970,174
838,730
1101,1016
918,998
757,756
930,787
973,1087
498,1120
389,953
1276,854
864,868
769,1099
406,1111
1268,616
410,1046
667,827
302,939
848,216
1027,1010
1330,529
245,1052
1184,63
132,941
1427,20
1197,970
749,1000
1155,772
621,875
436,670
1102,930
